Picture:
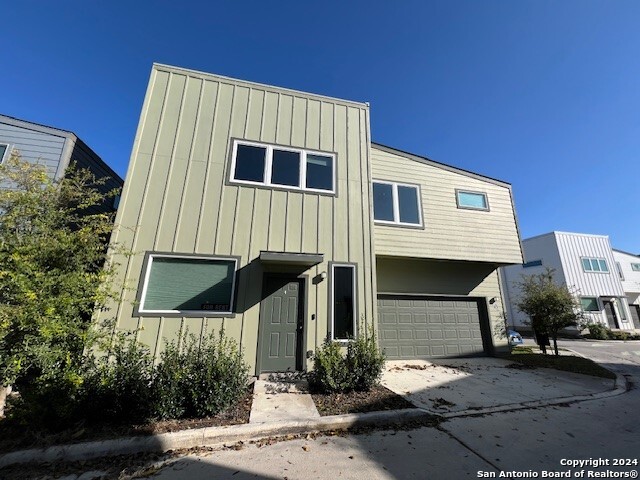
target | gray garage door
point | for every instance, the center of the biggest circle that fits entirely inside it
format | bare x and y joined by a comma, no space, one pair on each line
423,327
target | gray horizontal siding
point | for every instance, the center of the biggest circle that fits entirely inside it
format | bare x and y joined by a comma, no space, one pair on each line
35,147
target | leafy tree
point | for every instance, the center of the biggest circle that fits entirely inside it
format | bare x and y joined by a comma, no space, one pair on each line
53,247
550,307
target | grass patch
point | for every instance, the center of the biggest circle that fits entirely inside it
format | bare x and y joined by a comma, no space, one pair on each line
567,363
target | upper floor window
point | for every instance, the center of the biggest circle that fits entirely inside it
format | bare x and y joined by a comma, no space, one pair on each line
635,267
590,264
282,167
532,263
4,148
396,203
473,200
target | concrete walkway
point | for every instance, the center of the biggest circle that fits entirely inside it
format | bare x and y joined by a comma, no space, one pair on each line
282,398
465,386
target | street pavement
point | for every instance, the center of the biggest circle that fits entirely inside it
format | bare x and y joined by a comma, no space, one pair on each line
533,443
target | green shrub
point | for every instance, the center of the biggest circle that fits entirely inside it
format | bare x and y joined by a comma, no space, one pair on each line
204,378
364,361
168,384
360,369
598,331
117,387
47,402
330,372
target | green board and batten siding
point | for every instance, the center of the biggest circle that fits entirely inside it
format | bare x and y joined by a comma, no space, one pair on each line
177,197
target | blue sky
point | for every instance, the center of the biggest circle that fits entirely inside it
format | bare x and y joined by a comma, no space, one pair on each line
542,94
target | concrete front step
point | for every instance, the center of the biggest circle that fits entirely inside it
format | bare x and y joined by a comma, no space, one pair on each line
282,401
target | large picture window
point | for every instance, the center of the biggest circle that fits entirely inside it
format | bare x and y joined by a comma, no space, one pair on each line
589,304
396,203
343,304
176,284
282,167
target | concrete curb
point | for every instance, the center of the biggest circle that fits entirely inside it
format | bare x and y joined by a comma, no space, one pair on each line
208,437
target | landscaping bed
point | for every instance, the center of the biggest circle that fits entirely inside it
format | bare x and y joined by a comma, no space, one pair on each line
567,363
379,398
16,437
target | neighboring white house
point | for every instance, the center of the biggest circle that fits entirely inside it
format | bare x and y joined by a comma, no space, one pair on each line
586,264
628,266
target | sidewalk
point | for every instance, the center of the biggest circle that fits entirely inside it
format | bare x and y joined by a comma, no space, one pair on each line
448,388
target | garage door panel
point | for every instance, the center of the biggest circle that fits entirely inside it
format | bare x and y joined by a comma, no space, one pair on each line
421,335
389,334
389,318
422,327
420,318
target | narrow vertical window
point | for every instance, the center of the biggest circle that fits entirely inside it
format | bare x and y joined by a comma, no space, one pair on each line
343,302
3,151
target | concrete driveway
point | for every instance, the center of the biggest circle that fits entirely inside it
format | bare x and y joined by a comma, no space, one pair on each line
457,385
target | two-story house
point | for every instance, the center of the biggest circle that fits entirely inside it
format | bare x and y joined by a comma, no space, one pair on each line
54,149
586,264
270,213
628,266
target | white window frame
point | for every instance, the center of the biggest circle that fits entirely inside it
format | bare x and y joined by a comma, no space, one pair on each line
202,313
396,204
353,268
591,268
472,192
6,153
268,166
635,267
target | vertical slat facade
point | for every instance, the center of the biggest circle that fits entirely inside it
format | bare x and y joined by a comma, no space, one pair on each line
178,197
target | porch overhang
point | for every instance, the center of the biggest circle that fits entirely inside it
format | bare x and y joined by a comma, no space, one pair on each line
287,258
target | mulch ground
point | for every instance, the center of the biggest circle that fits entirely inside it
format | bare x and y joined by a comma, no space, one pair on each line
17,437
379,398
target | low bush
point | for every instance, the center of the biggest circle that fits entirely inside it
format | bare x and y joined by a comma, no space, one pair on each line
330,373
364,361
359,369
118,386
202,379
46,402
598,331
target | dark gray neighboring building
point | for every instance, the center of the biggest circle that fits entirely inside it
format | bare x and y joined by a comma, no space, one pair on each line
53,148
